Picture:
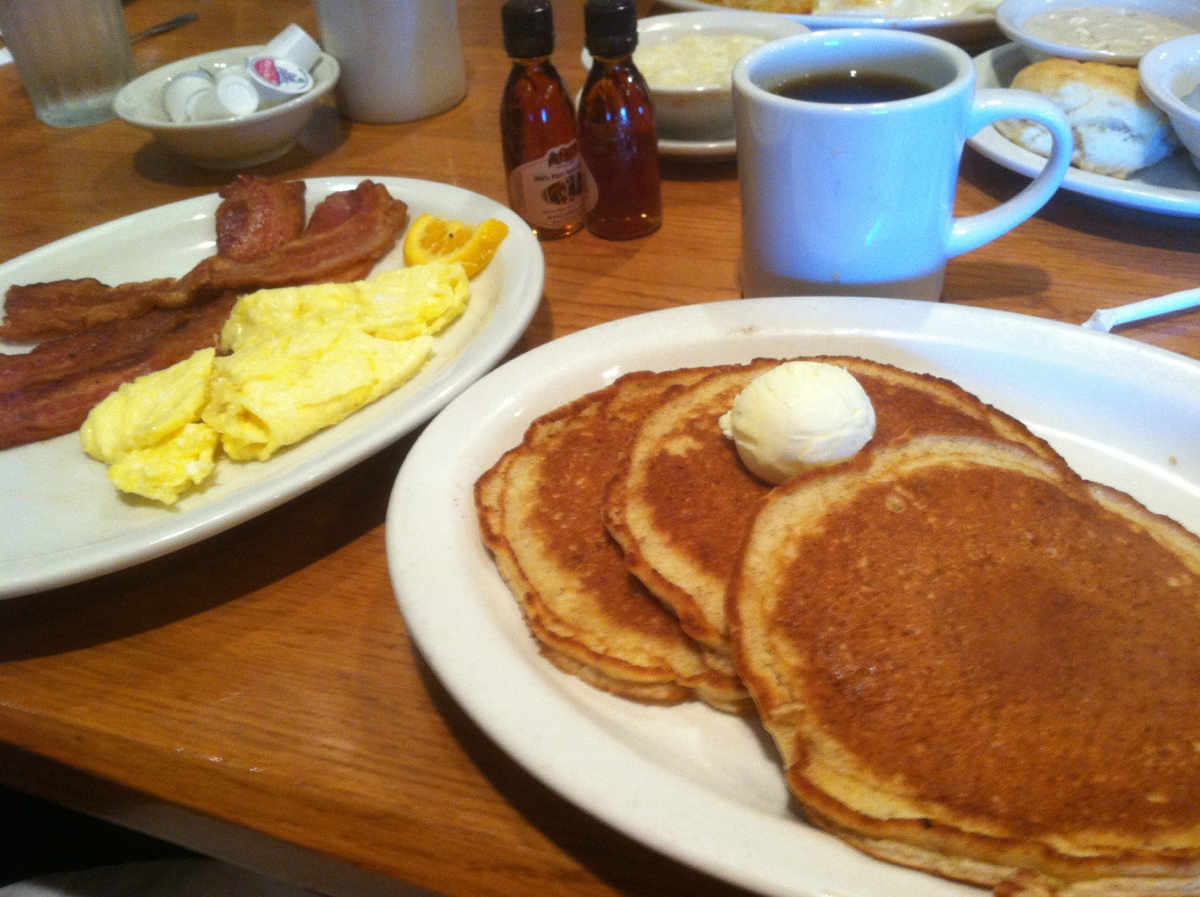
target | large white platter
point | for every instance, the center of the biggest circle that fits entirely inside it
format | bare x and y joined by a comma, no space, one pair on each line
65,522
1171,187
964,29
701,786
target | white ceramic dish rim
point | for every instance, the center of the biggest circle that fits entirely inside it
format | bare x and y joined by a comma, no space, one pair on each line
49,485
1164,63
1011,16
698,149
325,78
694,784
1182,201
935,23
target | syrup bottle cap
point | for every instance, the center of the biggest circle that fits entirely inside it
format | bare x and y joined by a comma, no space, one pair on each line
611,27
528,28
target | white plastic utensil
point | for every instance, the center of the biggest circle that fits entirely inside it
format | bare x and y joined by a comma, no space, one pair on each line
1106,319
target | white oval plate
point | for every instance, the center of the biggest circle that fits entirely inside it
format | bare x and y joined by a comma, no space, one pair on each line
701,786
1171,187
964,29
75,525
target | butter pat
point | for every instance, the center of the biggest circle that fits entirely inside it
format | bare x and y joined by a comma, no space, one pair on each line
799,415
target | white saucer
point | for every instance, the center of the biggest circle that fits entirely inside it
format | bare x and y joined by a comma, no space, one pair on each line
715,150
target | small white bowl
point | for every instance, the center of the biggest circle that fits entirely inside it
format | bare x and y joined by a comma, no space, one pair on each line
231,143
704,112
1012,16
1168,73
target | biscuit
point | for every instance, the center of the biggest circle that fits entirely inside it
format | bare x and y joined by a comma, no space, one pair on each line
1117,129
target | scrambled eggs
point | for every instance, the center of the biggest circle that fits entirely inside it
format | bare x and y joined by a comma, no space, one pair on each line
294,361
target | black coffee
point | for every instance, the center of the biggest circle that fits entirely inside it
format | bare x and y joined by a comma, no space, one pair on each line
852,87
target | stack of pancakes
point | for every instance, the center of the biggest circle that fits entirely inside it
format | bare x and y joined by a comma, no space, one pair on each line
973,662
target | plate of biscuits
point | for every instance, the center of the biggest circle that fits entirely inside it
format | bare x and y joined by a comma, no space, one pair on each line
961,659
1120,161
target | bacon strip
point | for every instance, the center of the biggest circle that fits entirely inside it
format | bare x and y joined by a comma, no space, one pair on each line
46,406
258,215
39,310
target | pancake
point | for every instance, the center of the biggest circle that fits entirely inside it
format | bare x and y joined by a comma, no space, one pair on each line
539,511
682,500
977,664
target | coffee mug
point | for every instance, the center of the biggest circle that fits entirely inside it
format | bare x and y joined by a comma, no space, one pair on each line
854,194
400,60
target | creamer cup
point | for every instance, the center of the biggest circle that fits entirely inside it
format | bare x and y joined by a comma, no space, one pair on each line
294,45
277,80
179,95
237,93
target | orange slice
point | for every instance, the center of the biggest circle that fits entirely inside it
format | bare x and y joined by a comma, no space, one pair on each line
434,239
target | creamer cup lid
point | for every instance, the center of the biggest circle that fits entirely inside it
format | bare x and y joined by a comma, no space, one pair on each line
294,44
179,91
277,79
237,94
205,105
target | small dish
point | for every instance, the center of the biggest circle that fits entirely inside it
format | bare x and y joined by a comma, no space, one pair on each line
1168,73
1122,19
698,150
229,143
705,112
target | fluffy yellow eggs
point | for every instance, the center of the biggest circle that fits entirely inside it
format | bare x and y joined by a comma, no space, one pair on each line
293,361
148,432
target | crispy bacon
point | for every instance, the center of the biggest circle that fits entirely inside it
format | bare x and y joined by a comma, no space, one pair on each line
43,405
355,228
104,336
258,215
370,221
39,310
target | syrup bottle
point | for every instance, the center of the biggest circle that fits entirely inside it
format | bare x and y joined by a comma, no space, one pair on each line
537,126
616,127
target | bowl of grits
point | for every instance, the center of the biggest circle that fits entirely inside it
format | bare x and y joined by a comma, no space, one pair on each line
1119,32
687,60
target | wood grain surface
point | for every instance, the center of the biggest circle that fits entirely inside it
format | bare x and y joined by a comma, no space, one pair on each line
256,696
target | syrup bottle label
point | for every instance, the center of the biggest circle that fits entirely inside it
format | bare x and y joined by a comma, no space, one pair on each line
553,191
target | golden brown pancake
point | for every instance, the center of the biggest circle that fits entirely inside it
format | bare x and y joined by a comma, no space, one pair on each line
682,501
977,664
539,511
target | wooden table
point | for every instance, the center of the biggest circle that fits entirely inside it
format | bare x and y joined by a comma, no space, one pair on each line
256,697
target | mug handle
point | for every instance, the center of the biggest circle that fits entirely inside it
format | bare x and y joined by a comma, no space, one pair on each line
992,105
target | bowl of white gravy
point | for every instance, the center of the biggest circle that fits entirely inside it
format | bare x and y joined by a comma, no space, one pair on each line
1119,32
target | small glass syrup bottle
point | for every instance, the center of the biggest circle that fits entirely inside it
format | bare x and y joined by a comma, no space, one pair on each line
537,126
616,127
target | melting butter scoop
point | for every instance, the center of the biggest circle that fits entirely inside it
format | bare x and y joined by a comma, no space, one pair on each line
799,415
